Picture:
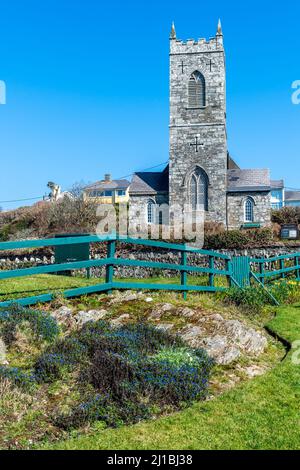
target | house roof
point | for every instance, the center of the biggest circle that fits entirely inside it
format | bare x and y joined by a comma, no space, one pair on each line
292,195
248,180
149,183
109,185
277,184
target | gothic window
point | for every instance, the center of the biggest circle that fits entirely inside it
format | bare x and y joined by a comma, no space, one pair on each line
249,210
197,92
151,212
199,190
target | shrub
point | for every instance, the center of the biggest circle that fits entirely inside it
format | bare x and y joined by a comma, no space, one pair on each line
43,326
286,215
17,377
102,408
63,355
237,239
256,297
132,369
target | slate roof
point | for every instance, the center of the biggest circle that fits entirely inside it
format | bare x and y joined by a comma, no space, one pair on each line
292,196
248,180
109,185
277,184
150,183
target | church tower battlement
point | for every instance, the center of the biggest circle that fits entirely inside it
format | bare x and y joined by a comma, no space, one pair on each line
198,139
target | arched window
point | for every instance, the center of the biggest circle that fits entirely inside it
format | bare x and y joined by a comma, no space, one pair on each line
198,190
151,212
249,210
197,92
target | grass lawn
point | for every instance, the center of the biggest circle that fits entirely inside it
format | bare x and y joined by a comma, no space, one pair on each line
261,414
42,284
17,288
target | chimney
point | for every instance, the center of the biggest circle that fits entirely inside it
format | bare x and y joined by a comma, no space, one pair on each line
107,178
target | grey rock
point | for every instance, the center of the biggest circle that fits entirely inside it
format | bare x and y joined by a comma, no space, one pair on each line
83,317
127,296
159,311
3,360
254,371
122,320
245,338
185,312
64,316
192,335
165,326
220,350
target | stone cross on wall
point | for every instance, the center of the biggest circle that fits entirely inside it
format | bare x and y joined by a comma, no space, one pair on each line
197,144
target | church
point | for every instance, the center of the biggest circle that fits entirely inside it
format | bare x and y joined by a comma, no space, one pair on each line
201,172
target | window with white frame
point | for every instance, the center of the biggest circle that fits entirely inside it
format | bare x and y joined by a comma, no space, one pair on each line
198,190
249,210
151,212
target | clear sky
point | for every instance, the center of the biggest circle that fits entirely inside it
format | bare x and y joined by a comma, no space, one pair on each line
87,86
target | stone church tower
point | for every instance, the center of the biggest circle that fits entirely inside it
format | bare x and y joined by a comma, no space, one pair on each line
201,174
198,140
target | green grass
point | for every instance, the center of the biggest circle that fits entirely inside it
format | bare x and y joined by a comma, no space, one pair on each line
45,283
40,284
260,414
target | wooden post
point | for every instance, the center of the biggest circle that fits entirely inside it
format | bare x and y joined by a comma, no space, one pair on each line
297,271
111,251
184,273
282,267
211,275
228,268
262,271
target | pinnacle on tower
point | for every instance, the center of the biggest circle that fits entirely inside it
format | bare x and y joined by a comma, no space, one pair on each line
173,32
219,32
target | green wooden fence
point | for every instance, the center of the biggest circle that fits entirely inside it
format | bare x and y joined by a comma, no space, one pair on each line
238,271
111,261
280,267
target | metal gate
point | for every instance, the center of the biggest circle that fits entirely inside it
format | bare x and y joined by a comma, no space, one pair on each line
241,270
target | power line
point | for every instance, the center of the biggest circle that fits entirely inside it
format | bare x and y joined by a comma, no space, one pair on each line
145,170
23,200
122,177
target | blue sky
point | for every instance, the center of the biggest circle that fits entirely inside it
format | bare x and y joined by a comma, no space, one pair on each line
87,87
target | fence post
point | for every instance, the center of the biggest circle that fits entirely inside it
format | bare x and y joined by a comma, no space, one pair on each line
183,274
297,260
262,272
211,275
111,251
229,276
281,268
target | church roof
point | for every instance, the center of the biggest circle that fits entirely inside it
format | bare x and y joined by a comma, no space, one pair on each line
277,184
110,185
150,183
248,180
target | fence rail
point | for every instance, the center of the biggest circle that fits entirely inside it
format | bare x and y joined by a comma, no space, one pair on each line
111,261
280,264
237,271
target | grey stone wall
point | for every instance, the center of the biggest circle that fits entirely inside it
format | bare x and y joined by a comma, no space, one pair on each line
145,254
236,208
208,124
